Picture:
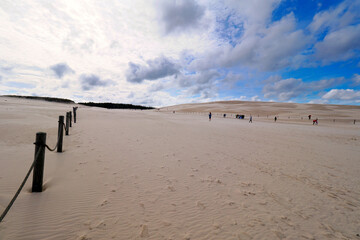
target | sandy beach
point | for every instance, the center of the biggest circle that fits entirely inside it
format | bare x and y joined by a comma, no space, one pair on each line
161,175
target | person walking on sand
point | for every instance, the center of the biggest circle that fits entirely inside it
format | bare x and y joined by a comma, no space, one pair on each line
209,116
275,118
250,121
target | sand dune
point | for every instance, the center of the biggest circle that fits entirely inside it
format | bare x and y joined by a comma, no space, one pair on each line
159,175
289,112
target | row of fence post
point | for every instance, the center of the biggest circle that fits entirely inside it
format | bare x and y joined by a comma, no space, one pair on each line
38,164
40,145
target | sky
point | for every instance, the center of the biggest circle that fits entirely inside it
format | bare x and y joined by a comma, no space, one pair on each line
167,52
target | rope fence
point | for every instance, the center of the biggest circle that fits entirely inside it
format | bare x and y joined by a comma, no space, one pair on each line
19,189
37,165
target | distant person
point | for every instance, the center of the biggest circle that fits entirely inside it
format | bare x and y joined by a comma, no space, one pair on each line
309,117
275,118
315,122
209,116
224,115
250,121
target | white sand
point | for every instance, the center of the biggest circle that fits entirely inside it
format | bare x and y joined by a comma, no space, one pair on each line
158,175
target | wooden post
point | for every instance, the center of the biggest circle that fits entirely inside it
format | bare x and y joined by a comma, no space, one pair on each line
74,110
70,119
67,124
38,171
60,133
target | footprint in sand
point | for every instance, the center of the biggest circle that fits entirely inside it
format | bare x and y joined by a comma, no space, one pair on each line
216,226
83,237
249,194
200,205
166,224
279,234
171,188
244,236
105,202
99,225
286,220
187,236
144,231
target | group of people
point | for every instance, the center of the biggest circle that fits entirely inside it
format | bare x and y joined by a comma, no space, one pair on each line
315,122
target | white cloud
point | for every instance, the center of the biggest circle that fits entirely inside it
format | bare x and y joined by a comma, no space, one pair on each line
181,15
319,101
97,37
255,98
61,69
203,83
337,17
339,45
270,48
191,48
342,94
286,89
231,79
89,81
356,79
337,31
256,12
154,69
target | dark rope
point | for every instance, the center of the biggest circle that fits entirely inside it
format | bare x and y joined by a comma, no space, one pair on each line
20,188
65,127
57,144
27,176
51,150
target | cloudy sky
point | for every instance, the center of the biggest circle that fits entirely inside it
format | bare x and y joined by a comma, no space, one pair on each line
166,52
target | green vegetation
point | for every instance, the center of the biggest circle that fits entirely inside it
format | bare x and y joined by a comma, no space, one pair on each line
91,104
49,99
116,106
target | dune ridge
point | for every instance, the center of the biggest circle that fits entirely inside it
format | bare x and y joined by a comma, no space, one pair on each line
159,175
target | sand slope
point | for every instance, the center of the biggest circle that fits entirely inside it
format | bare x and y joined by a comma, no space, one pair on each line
286,112
158,175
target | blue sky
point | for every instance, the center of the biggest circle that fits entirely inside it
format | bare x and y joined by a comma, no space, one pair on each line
168,52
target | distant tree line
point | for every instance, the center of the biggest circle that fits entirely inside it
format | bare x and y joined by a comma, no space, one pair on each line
49,99
91,104
116,106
